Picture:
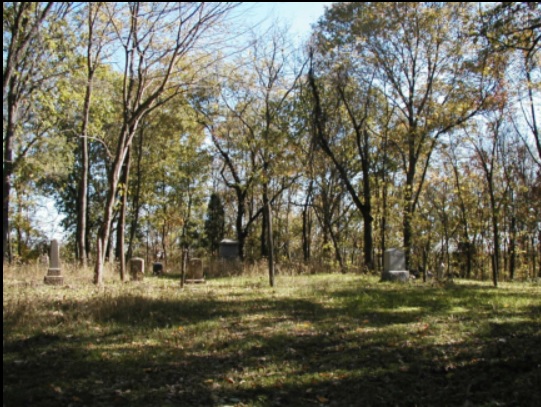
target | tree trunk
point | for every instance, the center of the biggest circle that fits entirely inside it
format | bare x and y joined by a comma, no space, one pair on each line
264,234
5,210
337,255
321,137
121,255
307,225
496,238
105,230
18,230
98,272
270,243
241,235
512,248
82,193
183,266
539,250
408,210
136,207
7,173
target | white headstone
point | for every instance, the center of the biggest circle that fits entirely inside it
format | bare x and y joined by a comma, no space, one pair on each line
394,259
394,266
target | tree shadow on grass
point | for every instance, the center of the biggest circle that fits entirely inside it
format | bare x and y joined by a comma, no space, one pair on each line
338,353
308,368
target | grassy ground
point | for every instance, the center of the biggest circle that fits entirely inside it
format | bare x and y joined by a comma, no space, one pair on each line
330,340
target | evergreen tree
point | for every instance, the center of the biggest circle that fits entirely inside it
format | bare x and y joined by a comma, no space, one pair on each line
214,223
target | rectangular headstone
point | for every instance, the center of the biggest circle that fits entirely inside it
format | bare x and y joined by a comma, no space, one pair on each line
137,268
195,272
394,266
228,249
394,259
54,273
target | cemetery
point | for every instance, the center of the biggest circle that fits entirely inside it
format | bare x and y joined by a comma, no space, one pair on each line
271,204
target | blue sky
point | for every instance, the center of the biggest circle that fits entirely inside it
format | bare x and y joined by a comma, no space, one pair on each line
299,16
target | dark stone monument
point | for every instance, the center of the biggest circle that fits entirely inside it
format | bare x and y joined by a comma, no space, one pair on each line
157,268
54,274
228,249
137,268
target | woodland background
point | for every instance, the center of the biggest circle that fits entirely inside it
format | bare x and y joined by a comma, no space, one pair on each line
158,127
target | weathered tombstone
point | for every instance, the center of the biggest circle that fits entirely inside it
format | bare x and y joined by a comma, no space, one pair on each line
44,259
137,268
157,268
394,264
195,273
228,249
54,274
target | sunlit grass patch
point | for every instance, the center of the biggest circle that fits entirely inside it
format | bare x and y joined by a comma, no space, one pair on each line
311,340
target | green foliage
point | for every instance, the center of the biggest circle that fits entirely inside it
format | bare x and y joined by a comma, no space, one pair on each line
401,86
170,179
512,25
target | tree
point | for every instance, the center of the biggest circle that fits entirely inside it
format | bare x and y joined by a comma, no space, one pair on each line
353,101
214,223
488,155
514,25
424,66
249,126
514,28
97,37
156,39
32,59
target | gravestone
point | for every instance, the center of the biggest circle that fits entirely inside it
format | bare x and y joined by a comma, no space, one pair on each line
44,259
137,268
157,268
394,265
228,249
194,272
54,274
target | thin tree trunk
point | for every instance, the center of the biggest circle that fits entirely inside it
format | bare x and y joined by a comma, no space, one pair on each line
337,253
99,254
241,235
105,230
136,207
82,193
306,225
18,226
264,235
496,237
270,243
184,265
512,248
121,228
